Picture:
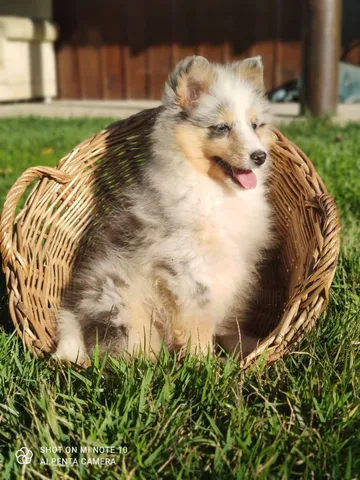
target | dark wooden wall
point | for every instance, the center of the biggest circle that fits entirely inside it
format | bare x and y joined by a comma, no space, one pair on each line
351,31
115,49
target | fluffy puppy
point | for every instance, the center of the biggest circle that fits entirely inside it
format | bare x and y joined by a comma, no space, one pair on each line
176,262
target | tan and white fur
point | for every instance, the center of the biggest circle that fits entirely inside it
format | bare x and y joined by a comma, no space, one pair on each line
177,261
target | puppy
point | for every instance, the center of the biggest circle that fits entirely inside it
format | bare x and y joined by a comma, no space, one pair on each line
176,262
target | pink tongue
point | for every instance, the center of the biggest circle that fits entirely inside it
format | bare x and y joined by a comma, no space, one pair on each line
246,178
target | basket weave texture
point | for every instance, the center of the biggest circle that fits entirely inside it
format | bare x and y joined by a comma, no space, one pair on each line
39,245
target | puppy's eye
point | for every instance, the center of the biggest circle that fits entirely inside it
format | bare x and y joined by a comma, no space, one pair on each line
220,129
256,125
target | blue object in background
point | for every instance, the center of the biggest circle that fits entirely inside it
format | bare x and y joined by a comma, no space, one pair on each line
349,83
349,86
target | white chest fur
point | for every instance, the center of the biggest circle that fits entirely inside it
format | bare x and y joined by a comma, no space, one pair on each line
217,237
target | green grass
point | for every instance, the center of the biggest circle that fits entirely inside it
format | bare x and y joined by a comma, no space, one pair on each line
299,418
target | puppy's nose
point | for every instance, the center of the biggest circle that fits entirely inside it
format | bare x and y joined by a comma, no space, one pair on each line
258,157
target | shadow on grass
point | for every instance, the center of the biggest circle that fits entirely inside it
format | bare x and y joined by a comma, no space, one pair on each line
5,319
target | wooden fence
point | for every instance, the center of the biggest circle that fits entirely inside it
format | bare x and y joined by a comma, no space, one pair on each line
116,49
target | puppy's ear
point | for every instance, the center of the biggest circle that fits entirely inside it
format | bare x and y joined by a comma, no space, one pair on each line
189,80
252,70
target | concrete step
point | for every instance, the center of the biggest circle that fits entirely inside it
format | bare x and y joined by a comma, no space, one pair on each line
282,112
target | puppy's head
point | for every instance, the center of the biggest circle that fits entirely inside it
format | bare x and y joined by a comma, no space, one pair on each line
221,118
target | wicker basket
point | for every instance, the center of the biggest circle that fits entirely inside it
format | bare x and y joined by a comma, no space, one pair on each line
39,246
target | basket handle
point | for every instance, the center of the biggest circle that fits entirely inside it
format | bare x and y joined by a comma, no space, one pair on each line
8,251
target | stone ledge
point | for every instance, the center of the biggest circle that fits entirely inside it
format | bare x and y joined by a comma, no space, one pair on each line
26,29
282,112
27,58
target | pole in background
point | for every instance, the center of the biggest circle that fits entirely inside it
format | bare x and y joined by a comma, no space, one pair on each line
321,55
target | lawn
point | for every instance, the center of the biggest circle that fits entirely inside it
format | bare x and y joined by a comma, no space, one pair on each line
299,418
